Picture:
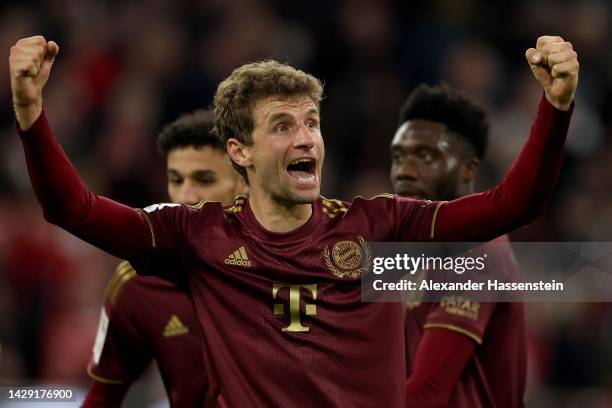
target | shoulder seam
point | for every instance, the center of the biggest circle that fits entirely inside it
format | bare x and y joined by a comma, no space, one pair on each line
123,273
382,195
148,221
433,219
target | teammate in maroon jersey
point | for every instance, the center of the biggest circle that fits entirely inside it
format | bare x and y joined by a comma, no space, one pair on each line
459,352
145,317
275,279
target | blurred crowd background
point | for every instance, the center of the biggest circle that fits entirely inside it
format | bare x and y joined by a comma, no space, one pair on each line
127,67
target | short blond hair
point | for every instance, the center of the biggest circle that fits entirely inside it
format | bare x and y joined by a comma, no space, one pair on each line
237,95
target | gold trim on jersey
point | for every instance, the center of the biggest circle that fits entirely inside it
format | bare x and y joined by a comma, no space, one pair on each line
122,268
452,327
238,205
123,273
433,219
382,195
148,221
101,379
199,205
331,214
332,207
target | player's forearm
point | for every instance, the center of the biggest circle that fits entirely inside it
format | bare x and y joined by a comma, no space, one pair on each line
102,395
441,358
67,203
58,187
521,196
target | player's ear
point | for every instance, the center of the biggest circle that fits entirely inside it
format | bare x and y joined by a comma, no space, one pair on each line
469,169
239,152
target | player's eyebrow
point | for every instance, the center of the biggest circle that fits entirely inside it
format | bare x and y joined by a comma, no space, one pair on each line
401,148
313,111
418,144
278,116
284,115
203,173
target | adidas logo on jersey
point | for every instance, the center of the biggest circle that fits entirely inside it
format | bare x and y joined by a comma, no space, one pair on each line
175,327
238,258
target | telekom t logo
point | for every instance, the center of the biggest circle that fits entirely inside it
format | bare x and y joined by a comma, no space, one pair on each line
295,322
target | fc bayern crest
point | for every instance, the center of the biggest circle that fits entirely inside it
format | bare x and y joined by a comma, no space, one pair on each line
348,259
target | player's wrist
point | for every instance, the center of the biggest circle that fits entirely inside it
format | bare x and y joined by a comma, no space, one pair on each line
562,104
27,114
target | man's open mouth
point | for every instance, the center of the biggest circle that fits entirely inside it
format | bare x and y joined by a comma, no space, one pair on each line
303,170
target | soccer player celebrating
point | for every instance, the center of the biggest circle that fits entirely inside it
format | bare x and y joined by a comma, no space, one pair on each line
275,279
145,317
435,155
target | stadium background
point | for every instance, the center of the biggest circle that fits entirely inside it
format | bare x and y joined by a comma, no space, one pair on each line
127,67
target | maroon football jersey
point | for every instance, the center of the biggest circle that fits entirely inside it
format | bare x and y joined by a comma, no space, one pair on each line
145,317
283,320
496,374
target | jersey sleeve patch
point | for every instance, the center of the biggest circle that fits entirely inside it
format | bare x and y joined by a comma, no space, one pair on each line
462,315
461,307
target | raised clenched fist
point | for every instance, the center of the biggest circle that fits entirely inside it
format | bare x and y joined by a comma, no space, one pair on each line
30,64
554,64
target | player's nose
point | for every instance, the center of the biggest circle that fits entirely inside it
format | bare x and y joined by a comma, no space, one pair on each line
188,194
304,137
406,171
